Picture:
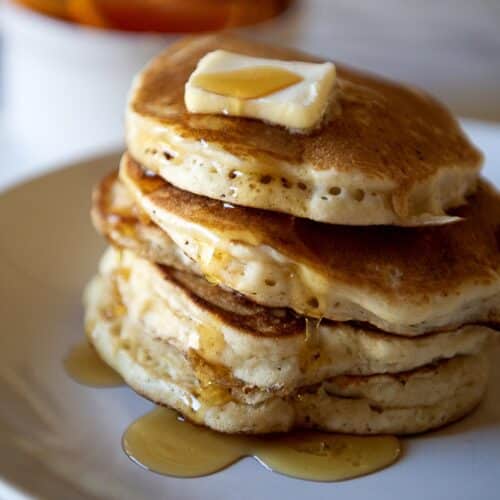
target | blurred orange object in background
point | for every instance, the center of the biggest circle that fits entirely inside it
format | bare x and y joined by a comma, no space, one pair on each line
168,16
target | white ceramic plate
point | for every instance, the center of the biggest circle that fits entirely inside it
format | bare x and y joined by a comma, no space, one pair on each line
60,440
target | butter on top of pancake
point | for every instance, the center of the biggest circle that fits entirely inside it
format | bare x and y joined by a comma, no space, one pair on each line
289,93
390,155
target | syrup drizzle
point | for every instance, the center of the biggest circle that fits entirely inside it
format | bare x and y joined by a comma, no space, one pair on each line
165,443
247,83
162,442
84,365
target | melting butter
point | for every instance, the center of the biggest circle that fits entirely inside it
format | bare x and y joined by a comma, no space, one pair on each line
247,83
163,443
235,84
85,366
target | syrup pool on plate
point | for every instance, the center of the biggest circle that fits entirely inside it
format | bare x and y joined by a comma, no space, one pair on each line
163,442
84,365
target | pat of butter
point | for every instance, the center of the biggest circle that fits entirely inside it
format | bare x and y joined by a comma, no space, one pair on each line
289,93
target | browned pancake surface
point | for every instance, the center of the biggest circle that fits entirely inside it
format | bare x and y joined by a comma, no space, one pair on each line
114,209
417,263
385,130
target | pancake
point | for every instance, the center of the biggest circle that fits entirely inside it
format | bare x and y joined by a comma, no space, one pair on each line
403,280
402,403
116,216
389,155
261,346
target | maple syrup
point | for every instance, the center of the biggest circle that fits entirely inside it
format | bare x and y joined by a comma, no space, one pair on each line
214,380
127,219
247,83
149,181
162,442
84,365
310,352
211,340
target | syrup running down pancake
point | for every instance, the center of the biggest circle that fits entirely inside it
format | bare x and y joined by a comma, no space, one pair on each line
262,346
400,403
403,280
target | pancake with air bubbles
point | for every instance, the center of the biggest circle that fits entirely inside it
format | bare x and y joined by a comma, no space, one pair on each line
407,402
261,346
403,280
389,154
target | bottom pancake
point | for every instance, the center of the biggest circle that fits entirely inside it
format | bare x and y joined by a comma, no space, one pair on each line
408,402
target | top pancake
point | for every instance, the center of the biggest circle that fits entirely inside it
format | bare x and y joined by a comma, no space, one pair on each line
388,155
403,280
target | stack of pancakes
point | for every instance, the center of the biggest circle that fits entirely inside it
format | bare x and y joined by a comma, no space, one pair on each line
259,280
